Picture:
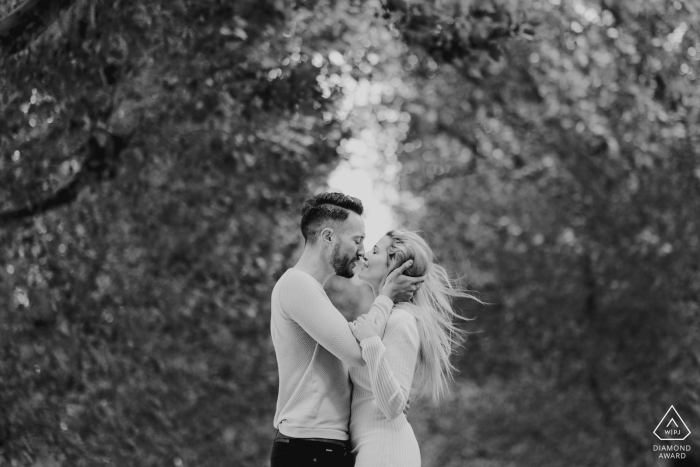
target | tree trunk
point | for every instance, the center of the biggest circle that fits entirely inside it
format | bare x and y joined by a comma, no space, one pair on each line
26,22
102,151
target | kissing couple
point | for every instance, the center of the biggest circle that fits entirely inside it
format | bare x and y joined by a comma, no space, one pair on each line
344,387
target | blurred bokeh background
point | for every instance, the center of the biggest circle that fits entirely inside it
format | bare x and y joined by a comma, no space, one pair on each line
154,156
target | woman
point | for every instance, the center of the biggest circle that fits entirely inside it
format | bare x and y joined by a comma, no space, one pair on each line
419,337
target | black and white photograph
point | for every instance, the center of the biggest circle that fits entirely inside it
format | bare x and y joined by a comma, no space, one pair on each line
349,233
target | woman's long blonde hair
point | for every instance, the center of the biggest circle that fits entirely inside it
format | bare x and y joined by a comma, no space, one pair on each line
431,305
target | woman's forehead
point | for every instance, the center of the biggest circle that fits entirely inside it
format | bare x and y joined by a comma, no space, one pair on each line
384,242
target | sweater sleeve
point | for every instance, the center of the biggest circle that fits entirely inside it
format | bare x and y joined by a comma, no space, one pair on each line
391,364
310,308
381,310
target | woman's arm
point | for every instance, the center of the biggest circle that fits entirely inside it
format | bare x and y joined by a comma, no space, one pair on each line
391,363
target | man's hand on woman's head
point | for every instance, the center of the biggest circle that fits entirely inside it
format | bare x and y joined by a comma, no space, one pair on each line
400,288
365,326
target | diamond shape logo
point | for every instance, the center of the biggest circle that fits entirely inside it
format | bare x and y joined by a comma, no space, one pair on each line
672,427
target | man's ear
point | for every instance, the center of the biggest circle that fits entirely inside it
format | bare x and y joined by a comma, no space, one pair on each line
326,235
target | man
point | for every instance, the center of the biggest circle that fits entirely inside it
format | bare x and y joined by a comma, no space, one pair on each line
313,342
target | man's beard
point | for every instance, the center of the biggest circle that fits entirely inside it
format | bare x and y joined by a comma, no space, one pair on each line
342,265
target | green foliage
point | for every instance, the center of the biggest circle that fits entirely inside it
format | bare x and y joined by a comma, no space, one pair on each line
152,168
153,156
570,179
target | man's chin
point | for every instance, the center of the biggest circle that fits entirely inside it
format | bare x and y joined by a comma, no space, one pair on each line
347,272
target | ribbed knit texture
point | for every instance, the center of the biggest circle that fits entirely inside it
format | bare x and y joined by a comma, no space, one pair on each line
379,431
314,347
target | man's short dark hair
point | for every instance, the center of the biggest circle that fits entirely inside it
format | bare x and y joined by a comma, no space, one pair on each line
325,208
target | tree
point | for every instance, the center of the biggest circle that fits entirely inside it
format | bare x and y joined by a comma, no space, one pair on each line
152,159
569,177
151,170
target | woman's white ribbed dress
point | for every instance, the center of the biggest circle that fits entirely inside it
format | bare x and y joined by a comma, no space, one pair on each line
379,431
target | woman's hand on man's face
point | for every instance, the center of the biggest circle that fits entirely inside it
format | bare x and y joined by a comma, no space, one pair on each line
365,327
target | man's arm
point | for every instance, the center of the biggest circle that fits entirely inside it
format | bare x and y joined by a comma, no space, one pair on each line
311,309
